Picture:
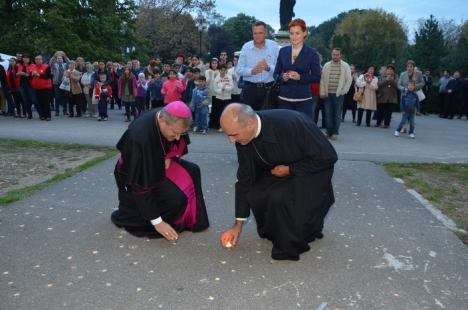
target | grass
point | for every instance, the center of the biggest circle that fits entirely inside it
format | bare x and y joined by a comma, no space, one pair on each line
444,185
18,194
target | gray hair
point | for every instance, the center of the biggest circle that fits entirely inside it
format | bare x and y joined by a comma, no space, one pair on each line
244,113
173,119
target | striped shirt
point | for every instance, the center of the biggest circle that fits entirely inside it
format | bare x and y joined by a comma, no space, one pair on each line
333,80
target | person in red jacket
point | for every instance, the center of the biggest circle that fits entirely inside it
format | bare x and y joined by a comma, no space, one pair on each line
14,81
42,83
28,94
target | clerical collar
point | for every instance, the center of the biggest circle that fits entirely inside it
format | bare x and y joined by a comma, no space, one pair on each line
259,126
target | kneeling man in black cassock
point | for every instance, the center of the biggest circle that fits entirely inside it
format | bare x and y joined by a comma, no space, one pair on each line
284,176
160,194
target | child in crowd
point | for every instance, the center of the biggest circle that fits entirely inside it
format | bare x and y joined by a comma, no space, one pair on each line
409,105
173,88
200,103
223,87
190,78
103,94
154,88
140,98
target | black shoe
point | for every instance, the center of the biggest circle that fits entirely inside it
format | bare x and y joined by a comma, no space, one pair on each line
57,113
48,119
280,255
71,115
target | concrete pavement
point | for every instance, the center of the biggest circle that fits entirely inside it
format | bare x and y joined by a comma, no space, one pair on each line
382,249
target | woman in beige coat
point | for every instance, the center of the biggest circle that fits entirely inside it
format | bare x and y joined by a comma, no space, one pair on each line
368,83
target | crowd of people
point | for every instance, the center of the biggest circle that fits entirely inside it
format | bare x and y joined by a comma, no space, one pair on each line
264,76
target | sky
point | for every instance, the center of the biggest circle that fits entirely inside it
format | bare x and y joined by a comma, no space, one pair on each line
316,12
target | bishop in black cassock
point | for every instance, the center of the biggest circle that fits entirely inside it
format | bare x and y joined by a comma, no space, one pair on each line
284,176
160,194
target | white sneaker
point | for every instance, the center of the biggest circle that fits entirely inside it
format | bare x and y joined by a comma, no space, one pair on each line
195,129
396,134
411,135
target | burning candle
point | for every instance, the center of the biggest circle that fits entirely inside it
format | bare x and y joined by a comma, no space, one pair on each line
228,244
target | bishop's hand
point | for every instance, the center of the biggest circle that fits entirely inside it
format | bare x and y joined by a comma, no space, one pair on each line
166,231
167,163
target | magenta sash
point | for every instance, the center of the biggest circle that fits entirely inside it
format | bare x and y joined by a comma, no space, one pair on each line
182,179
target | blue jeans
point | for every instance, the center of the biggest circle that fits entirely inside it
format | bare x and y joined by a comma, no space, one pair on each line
333,108
201,118
407,117
307,107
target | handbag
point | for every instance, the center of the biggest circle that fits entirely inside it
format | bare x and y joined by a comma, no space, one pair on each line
420,95
359,95
271,98
65,85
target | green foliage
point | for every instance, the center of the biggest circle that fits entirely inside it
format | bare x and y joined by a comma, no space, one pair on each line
220,40
155,27
240,28
320,37
94,29
372,36
429,48
460,53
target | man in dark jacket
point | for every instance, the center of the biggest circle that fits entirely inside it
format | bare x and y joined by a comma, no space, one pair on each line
455,93
284,177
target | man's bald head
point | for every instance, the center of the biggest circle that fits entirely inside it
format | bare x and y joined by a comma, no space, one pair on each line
237,112
239,122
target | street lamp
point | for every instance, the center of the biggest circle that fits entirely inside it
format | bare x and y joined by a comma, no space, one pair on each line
200,30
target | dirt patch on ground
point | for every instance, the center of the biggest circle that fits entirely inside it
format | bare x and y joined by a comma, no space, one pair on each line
26,165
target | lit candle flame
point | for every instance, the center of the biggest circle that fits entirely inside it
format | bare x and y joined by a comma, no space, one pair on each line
228,244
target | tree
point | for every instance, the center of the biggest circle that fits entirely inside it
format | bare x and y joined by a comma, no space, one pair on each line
94,29
429,48
158,34
320,37
220,40
459,57
240,28
373,36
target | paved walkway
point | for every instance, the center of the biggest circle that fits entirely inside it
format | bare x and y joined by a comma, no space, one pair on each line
382,249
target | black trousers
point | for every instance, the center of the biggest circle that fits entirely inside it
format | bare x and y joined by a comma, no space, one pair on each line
368,116
157,103
77,101
349,105
217,107
384,113
43,98
19,103
255,95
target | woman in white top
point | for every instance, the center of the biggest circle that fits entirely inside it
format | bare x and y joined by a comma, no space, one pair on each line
236,91
368,83
86,80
